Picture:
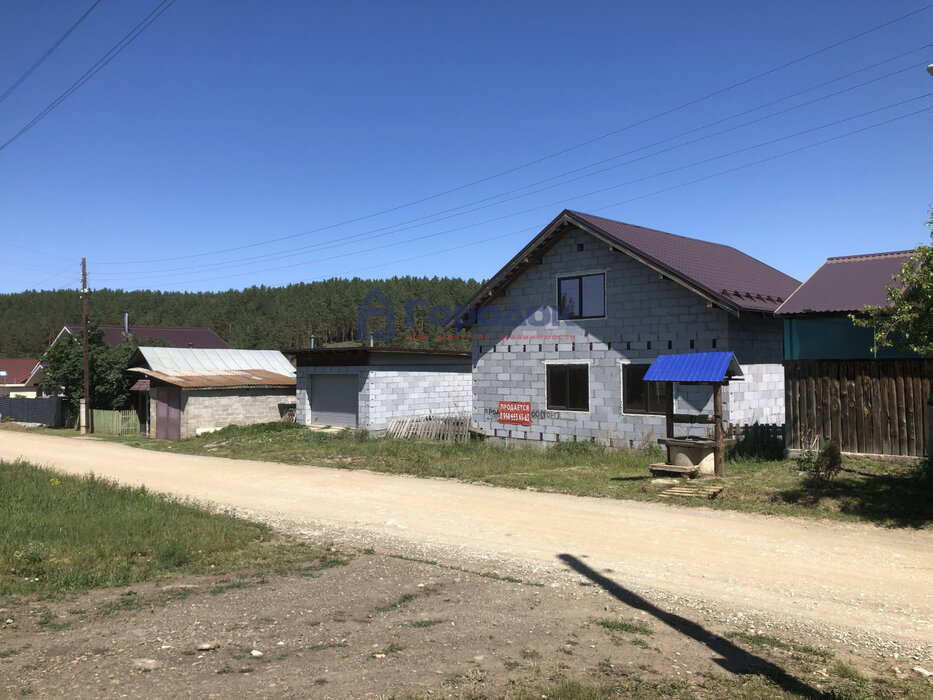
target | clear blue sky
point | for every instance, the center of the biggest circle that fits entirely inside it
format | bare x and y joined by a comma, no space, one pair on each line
233,123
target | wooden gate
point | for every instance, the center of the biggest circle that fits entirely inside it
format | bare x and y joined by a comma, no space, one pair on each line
864,406
168,412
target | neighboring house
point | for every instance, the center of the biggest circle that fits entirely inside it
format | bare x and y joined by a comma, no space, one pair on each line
113,336
188,391
838,386
15,377
369,387
563,334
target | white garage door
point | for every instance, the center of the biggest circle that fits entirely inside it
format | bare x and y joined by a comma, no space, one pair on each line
334,399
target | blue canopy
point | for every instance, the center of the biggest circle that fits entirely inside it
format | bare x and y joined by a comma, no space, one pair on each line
706,367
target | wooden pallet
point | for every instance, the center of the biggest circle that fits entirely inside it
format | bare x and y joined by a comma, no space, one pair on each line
662,469
692,491
448,428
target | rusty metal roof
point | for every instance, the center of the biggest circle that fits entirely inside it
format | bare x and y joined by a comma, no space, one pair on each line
847,284
226,379
211,360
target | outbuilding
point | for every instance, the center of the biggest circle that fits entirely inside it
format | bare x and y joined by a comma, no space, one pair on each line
186,391
840,387
367,388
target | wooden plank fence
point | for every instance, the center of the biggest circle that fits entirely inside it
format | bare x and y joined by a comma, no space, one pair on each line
864,406
454,428
115,422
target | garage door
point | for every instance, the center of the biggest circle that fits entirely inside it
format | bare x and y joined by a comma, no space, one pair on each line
334,399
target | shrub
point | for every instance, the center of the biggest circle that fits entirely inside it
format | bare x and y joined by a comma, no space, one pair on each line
823,464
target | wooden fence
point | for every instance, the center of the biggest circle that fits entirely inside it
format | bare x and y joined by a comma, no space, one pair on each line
864,406
115,422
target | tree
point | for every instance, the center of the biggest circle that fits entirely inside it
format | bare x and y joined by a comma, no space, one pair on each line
907,320
110,383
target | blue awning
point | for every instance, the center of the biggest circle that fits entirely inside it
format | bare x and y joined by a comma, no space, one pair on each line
706,367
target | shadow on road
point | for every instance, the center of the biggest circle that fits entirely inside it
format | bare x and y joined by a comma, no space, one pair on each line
733,658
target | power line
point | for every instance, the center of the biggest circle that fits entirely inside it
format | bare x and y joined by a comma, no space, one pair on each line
537,160
117,49
617,186
437,217
41,59
643,196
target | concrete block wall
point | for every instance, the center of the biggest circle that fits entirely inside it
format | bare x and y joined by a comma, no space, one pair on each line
397,392
757,399
218,408
647,315
387,392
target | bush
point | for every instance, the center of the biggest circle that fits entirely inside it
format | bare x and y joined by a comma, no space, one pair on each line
821,465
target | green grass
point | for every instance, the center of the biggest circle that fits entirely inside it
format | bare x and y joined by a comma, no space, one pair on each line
425,623
64,534
760,641
893,494
625,626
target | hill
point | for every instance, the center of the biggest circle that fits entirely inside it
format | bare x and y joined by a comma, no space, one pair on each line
255,318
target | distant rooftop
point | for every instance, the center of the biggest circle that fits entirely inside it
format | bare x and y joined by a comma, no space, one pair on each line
17,370
175,337
846,284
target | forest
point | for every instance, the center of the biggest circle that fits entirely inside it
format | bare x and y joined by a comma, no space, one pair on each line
275,318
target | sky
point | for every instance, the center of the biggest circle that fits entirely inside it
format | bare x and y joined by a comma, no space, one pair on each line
235,143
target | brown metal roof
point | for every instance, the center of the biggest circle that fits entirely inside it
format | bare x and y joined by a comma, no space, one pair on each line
847,284
203,338
17,370
730,275
226,379
721,274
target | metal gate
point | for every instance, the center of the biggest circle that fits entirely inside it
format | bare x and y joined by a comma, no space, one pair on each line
168,412
335,399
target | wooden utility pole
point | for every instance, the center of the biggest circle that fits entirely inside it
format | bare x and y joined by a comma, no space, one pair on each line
719,458
86,410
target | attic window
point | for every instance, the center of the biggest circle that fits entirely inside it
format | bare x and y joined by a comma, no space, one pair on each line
583,296
579,246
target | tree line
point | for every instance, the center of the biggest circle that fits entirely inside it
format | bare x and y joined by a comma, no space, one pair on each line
258,317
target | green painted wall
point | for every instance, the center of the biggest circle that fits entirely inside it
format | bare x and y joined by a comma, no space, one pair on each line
832,338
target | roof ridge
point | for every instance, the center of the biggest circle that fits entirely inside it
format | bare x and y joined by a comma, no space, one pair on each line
872,256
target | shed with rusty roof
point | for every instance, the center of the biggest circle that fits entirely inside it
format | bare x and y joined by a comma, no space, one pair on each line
188,391
562,335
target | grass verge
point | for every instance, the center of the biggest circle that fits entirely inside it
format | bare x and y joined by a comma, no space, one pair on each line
64,534
886,493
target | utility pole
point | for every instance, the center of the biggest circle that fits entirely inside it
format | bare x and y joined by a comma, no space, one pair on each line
86,408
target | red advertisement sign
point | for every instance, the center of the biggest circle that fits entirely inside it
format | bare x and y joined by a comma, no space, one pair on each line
515,412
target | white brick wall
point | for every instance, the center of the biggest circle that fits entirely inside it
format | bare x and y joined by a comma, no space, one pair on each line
397,391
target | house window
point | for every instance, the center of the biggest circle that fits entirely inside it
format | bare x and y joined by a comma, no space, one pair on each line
583,296
568,387
639,396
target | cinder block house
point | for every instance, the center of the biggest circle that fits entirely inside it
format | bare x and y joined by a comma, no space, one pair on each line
563,334
187,391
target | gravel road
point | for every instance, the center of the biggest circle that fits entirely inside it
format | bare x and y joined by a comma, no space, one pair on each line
864,585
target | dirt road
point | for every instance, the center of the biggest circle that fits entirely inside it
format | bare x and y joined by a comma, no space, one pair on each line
873,583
